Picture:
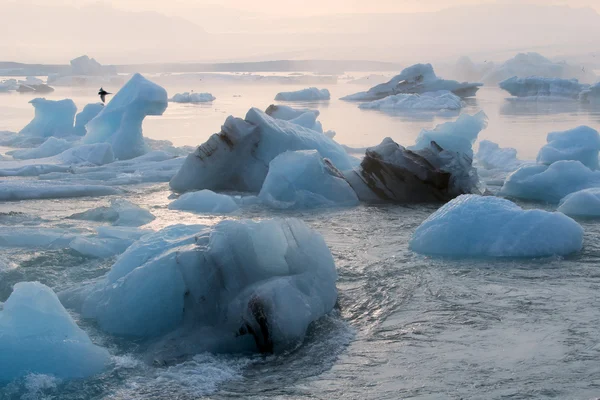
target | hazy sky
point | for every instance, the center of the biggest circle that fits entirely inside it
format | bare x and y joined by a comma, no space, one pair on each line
312,7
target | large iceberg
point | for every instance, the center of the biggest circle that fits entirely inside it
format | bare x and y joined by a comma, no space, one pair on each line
584,203
120,212
263,282
310,94
52,118
302,179
457,136
549,183
37,335
442,100
120,121
205,201
390,172
482,226
238,157
581,144
88,113
534,87
188,97
419,78
51,147
491,156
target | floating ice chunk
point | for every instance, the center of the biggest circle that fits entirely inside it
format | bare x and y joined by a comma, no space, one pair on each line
287,113
51,147
12,190
302,179
99,247
418,79
479,226
193,97
429,101
534,64
122,232
89,112
120,212
52,118
535,86
580,144
84,65
591,94
238,157
310,94
390,172
31,81
491,156
549,183
223,278
584,203
37,335
49,238
120,121
457,136
205,201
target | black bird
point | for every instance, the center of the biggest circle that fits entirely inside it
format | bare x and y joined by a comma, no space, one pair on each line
102,93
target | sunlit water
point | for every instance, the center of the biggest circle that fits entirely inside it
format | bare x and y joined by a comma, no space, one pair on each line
409,326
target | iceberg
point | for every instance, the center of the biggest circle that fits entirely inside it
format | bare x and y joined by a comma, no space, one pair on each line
238,157
456,136
299,116
390,172
88,66
51,147
193,97
205,201
534,87
13,190
581,144
310,94
120,212
99,247
534,64
486,226
590,94
491,156
418,79
52,118
34,237
302,179
549,183
583,204
88,113
120,121
263,281
37,335
429,101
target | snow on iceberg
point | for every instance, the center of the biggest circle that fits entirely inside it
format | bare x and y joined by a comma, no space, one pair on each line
584,204
310,94
491,156
581,144
486,226
419,78
205,201
238,157
51,147
262,282
37,335
549,183
302,179
534,64
120,212
52,118
429,101
193,97
13,190
457,136
390,172
88,113
120,121
534,87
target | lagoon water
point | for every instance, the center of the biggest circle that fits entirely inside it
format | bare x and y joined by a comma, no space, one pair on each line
408,326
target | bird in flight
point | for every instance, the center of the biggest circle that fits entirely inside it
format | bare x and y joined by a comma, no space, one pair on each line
102,93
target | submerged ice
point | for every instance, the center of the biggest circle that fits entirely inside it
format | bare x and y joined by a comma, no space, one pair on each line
486,226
